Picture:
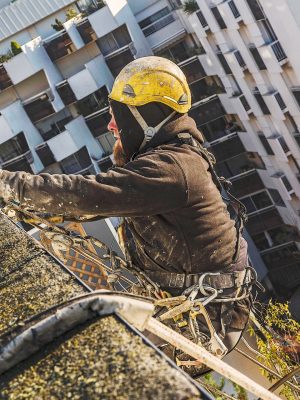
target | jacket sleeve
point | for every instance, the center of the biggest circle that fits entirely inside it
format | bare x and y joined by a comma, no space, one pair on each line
148,185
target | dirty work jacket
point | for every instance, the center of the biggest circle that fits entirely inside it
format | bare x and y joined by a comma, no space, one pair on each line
177,218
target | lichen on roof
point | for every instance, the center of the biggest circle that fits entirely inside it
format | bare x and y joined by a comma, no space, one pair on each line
30,279
102,359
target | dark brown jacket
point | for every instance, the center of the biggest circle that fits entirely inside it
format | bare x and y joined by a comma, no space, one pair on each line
174,210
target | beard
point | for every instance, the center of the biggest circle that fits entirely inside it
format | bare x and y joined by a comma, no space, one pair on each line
118,153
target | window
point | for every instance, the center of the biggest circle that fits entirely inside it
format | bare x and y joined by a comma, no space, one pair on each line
154,17
261,241
107,142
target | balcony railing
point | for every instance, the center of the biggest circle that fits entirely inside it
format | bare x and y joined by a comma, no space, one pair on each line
98,122
296,93
264,220
89,7
202,19
281,255
159,24
117,61
247,183
193,71
60,46
218,17
245,103
240,59
39,107
66,93
257,57
19,163
234,9
86,31
224,63
261,103
280,101
105,163
56,128
204,88
77,163
278,51
45,154
256,9
5,81
228,148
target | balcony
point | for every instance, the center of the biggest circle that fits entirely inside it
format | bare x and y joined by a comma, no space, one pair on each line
256,9
86,31
88,7
193,70
278,51
218,17
45,154
239,164
98,122
257,57
259,98
56,128
206,87
117,61
296,93
224,63
180,52
66,93
247,183
59,46
105,163
234,9
245,103
220,128
15,154
281,255
39,106
93,102
114,41
240,59
264,220
78,163
207,111
202,19
228,148
5,81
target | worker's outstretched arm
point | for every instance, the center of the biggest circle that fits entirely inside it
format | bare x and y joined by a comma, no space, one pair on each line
149,185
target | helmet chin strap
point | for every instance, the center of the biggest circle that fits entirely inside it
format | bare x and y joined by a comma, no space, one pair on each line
149,131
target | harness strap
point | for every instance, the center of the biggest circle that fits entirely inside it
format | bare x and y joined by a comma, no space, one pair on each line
217,280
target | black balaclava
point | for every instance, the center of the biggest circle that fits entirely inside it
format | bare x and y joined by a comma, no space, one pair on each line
131,133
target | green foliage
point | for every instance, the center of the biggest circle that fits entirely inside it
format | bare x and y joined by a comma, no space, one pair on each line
15,48
278,345
58,26
190,6
5,57
216,388
71,13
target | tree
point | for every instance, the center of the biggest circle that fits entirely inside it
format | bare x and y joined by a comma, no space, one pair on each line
58,26
278,342
190,6
71,13
15,48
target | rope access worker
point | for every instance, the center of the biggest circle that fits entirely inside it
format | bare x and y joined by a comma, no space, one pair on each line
163,184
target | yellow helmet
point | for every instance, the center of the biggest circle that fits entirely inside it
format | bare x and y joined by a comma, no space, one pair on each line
152,79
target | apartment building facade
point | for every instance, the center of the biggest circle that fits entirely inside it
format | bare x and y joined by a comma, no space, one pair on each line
242,68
